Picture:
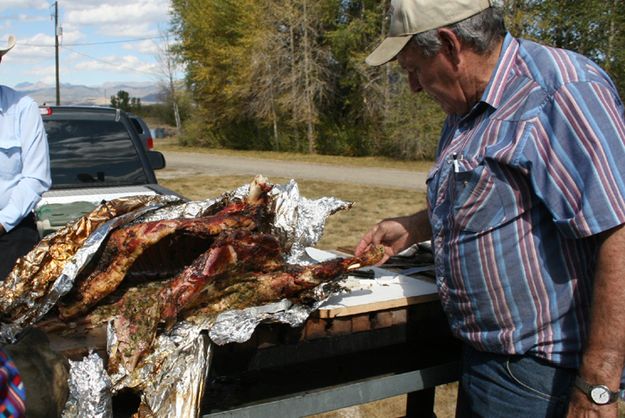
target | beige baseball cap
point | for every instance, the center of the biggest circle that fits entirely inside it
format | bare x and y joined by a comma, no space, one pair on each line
10,44
409,17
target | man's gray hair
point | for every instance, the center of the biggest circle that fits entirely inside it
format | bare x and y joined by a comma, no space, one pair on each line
481,32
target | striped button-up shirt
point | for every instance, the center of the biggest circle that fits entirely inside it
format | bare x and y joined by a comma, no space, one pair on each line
522,185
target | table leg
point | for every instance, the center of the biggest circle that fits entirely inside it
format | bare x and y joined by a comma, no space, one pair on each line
420,404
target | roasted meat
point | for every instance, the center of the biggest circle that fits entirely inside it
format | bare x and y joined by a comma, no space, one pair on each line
127,244
232,253
138,314
291,282
227,285
135,324
34,274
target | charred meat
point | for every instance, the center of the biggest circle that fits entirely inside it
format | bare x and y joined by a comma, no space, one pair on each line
232,253
127,244
291,282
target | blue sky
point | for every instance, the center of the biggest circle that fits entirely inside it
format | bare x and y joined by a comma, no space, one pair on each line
102,41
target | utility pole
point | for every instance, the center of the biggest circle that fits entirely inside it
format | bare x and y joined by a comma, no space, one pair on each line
56,49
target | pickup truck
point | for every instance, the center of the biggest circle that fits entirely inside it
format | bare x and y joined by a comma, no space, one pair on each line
95,155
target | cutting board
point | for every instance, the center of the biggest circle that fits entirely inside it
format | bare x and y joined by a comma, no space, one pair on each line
387,290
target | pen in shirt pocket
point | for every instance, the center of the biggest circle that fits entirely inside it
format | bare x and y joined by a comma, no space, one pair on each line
454,161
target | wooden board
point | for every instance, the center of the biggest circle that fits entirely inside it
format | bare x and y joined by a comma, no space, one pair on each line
387,290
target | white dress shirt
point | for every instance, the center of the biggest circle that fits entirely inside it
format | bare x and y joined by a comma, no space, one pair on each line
24,157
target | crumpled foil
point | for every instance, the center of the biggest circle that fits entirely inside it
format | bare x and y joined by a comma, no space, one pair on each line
171,377
301,220
177,389
89,389
238,325
46,273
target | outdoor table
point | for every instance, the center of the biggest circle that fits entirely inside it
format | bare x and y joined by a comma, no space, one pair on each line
374,343
386,337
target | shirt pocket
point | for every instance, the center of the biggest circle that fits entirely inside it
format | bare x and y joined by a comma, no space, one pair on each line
10,149
477,202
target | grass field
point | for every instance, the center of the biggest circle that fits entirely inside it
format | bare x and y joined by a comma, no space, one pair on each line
344,229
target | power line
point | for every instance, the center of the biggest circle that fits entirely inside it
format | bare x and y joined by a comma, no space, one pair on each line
111,63
95,43
116,42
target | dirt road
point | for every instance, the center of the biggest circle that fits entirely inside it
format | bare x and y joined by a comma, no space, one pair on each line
182,164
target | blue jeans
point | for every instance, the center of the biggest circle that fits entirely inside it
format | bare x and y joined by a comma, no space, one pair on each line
494,385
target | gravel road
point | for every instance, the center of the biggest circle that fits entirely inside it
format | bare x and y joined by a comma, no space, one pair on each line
183,164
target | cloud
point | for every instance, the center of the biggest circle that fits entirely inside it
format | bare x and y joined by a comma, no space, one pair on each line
22,4
28,18
44,73
119,64
38,47
101,40
128,30
116,12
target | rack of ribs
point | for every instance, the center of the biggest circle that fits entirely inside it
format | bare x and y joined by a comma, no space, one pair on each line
232,253
291,281
224,280
126,244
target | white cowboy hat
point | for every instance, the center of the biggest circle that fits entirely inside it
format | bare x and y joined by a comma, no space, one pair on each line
10,44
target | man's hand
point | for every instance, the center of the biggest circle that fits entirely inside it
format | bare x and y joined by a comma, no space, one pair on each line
581,406
395,234
604,355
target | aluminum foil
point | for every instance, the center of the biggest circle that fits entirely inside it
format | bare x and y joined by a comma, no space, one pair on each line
46,273
238,325
171,378
192,209
177,389
89,389
172,375
301,221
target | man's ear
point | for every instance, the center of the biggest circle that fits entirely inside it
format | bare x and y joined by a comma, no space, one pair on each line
450,45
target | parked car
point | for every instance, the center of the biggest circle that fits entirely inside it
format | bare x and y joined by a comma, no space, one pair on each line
95,154
143,130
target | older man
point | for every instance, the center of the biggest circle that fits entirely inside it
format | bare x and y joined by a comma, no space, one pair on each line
24,172
526,206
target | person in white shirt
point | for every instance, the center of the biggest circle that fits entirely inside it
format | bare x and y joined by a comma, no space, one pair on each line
24,172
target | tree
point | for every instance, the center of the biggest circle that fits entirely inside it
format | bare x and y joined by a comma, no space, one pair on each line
126,103
290,67
215,43
290,74
135,104
169,66
595,28
121,100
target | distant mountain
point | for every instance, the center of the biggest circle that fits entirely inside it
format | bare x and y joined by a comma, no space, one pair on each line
89,95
